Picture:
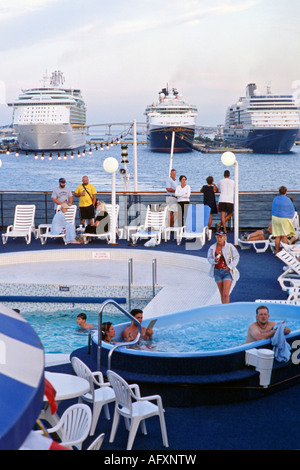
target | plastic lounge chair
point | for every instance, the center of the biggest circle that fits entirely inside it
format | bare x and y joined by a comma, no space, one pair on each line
44,230
130,405
106,236
294,248
153,227
293,298
195,223
97,443
260,246
290,277
23,224
74,426
97,396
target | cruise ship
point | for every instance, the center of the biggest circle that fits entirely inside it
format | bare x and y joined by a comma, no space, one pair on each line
50,117
265,123
170,113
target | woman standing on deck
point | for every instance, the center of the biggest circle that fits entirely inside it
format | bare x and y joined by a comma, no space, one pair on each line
183,193
209,199
283,212
223,258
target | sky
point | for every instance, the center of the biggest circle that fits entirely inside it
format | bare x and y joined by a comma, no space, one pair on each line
121,53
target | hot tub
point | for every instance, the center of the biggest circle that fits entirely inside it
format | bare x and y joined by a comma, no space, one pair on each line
203,376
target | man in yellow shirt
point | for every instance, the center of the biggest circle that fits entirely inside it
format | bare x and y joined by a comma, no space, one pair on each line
87,198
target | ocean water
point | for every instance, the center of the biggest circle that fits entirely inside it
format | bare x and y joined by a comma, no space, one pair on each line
257,172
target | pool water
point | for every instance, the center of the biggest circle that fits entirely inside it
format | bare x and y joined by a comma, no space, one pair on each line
58,330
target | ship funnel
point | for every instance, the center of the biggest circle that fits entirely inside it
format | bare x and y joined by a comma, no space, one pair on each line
250,89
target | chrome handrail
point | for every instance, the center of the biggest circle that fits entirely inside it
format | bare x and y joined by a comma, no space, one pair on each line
129,343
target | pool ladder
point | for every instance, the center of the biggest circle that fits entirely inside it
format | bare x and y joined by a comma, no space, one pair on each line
119,345
130,281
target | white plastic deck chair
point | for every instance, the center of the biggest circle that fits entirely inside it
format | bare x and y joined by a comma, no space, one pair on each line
196,223
74,426
100,393
132,406
260,246
106,236
23,224
97,443
44,230
293,298
153,227
290,277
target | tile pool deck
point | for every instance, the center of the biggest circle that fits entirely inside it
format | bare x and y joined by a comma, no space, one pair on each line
182,278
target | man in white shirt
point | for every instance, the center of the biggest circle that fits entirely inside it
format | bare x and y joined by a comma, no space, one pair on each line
226,199
171,199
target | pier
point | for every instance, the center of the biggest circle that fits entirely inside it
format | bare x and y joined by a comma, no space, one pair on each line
203,148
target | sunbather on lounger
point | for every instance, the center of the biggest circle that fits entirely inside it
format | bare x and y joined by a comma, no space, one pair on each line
258,234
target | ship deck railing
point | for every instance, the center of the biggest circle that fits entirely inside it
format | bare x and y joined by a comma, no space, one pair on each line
254,206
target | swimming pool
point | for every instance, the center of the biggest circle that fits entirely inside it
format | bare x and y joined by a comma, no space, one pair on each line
56,327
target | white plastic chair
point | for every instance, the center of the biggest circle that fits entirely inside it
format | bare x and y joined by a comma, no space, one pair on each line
98,397
260,246
196,224
74,426
290,277
153,227
136,411
106,236
97,443
23,224
44,230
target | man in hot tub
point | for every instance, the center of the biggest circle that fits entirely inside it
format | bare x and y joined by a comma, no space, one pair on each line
263,327
131,332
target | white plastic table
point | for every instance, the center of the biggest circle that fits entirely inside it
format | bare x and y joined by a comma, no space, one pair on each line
67,386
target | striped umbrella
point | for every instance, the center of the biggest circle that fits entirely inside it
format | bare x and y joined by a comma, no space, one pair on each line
21,378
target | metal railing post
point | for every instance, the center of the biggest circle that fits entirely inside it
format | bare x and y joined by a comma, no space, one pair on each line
130,280
154,276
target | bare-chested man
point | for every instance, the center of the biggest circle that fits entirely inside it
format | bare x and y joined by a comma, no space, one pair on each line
130,333
263,327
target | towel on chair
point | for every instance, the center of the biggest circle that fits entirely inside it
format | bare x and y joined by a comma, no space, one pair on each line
282,350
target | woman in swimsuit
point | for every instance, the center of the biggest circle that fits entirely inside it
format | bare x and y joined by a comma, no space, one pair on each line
108,332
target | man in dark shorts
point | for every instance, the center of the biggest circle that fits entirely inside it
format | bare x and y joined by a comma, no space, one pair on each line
87,199
226,198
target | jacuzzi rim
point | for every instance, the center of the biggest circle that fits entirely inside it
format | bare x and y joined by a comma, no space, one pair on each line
215,352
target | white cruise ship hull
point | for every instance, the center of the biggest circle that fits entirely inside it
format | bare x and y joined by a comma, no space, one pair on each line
171,115
50,137
265,123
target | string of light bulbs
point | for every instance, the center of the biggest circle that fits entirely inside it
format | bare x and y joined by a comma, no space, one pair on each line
92,146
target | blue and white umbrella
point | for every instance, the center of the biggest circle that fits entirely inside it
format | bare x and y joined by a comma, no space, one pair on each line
21,378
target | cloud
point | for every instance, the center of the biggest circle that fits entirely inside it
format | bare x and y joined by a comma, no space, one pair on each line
13,8
172,14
